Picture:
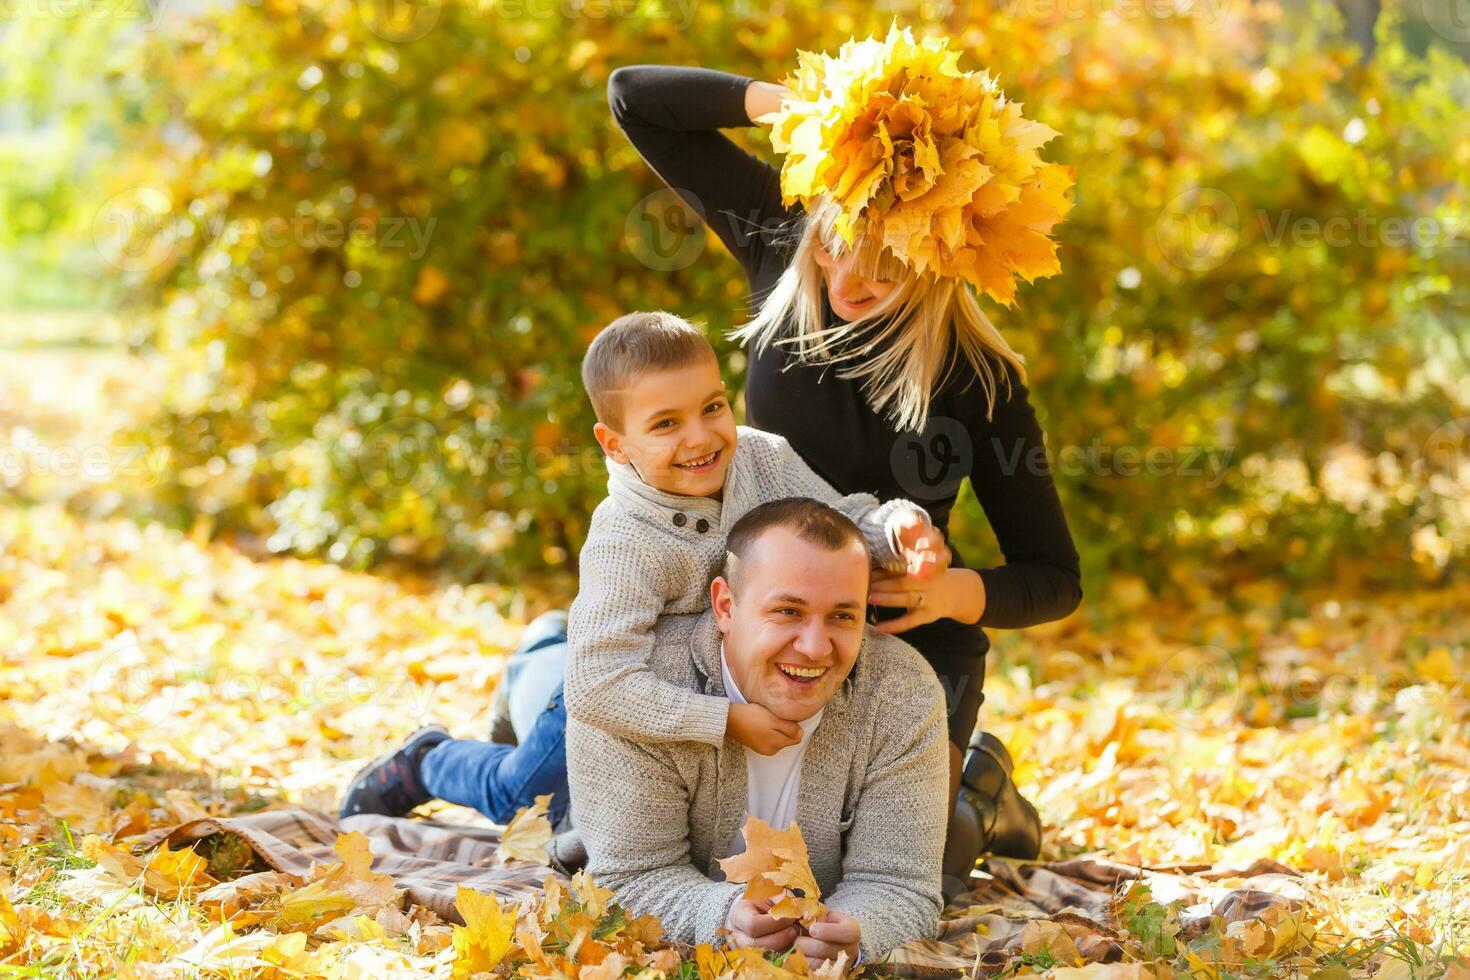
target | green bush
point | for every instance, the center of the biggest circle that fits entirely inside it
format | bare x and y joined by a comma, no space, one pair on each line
377,248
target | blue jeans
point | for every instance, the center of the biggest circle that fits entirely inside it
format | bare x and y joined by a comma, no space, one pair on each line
497,780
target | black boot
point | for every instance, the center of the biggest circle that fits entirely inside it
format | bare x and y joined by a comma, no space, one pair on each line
961,849
1009,825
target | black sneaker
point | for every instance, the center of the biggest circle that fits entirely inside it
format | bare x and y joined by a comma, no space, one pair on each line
1009,824
390,785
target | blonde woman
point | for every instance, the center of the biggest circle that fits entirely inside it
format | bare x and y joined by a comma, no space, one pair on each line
887,382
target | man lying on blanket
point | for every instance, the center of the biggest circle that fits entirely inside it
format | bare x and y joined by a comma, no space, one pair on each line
867,784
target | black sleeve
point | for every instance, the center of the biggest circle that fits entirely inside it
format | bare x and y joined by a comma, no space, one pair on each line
673,117
1041,579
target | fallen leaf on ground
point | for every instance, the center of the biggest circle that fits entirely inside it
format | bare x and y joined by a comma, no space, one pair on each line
527,835
482,942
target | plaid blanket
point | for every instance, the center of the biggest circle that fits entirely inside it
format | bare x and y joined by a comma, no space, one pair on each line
430,859
979,934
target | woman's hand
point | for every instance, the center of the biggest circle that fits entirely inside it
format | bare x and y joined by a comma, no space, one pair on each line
957,593
762,98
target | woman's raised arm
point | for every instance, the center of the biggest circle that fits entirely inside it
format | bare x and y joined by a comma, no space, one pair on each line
673,117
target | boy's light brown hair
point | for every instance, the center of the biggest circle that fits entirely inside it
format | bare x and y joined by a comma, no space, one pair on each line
634,345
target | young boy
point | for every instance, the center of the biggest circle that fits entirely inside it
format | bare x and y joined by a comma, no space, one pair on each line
680,474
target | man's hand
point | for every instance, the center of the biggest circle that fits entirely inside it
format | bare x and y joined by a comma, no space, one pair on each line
834,935
756,726
920,543
752,925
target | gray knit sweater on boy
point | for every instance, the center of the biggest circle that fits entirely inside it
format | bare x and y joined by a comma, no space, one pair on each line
649,552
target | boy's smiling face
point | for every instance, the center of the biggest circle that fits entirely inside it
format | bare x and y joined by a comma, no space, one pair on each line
678,431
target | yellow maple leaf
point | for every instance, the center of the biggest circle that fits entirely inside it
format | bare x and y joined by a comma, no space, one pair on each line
924,158
308,907
182,868
751,964
10,927
1438,665
482,942
83,806
593,898
287,951
712,963
646,930
530,938
553,896
370,890
526,836
164,873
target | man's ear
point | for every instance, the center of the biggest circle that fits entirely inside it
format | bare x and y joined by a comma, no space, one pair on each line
721,600
611,442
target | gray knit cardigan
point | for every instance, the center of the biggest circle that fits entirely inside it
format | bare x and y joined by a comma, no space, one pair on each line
872,806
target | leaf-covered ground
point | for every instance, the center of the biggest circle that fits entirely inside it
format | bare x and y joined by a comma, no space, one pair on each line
147,675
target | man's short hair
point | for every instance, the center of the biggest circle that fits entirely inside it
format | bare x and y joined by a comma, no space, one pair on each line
812,521
631,346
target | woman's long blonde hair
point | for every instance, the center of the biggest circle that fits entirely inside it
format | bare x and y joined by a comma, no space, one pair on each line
898,348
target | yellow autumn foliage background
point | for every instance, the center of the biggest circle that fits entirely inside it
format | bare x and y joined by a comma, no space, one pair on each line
291,301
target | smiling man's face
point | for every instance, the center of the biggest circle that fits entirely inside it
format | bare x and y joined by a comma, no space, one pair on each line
792,620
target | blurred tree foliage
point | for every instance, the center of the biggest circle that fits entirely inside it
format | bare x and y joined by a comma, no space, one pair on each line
380,237
61,101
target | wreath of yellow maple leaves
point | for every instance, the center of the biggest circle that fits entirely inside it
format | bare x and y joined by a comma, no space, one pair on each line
933,162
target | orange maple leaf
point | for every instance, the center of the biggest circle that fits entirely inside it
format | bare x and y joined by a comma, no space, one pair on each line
775,865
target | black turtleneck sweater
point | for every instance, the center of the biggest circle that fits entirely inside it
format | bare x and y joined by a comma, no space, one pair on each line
673,116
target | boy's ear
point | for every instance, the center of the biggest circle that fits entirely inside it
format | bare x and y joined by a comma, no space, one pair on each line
611,442
721,598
